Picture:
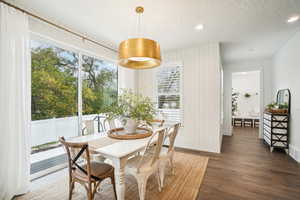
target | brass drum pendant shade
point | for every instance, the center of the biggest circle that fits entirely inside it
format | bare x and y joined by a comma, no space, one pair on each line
139,53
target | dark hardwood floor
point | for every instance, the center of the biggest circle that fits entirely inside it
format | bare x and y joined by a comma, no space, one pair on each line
247,170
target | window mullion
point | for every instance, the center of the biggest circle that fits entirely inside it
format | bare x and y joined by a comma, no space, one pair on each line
79,94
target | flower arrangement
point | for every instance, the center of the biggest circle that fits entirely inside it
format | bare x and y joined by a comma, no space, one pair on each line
132,108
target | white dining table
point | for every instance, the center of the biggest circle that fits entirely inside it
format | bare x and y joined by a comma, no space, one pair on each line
118,151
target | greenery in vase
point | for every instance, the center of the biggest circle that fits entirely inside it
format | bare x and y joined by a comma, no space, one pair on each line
132,105
274,105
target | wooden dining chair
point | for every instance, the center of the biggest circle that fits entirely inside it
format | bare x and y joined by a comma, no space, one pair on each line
84,171
146,164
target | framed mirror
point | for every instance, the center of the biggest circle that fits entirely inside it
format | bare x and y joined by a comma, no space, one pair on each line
284,98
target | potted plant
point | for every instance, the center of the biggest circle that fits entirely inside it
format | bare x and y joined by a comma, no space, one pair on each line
277,108
132,109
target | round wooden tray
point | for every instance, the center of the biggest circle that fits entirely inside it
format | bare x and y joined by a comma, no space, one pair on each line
141,133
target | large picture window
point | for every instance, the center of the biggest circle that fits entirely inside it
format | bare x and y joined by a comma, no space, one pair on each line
55,110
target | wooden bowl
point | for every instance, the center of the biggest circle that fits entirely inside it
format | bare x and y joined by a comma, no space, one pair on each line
141,133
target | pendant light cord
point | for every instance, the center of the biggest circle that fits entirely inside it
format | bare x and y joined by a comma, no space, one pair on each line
139,25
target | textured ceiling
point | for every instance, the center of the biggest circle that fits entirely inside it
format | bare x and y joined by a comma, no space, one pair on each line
246,28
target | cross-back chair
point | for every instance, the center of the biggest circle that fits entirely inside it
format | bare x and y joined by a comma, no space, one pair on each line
84,171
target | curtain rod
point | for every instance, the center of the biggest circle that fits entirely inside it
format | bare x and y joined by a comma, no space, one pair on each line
58,26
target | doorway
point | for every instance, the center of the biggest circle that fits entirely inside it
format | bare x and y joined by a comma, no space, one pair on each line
246,100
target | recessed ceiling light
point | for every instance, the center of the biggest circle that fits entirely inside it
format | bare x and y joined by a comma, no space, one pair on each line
199,27
293,19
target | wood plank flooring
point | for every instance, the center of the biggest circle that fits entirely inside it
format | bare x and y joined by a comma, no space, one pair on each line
247,170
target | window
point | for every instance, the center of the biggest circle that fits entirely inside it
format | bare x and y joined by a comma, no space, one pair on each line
55,95
169,92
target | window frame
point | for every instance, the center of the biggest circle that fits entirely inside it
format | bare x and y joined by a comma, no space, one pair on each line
181,88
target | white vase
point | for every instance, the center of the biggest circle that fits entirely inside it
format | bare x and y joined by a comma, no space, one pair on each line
130,126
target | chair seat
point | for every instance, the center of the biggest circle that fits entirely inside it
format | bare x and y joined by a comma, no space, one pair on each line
97,169
132,163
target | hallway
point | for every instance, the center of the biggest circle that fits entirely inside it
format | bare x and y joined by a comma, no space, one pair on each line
247,170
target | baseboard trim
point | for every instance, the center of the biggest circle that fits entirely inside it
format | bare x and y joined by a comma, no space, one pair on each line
294,152
194,151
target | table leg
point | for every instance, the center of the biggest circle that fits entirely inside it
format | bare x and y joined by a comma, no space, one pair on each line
119,165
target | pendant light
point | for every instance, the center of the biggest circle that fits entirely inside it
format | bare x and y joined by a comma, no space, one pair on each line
139,53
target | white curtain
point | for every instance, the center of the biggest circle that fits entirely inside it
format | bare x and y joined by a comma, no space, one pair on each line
15,103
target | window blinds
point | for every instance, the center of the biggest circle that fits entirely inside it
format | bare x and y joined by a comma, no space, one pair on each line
169,93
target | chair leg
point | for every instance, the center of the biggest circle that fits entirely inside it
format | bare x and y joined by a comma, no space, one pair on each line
162,169
112,178
90,195
158,178
90,191
71,188
142,183
95,188
171,160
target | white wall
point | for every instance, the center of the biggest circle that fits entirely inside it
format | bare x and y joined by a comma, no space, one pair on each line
127,79
201,95
43,31
247,82
287,75
264,67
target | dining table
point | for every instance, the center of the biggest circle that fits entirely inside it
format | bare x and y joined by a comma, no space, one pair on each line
118,152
